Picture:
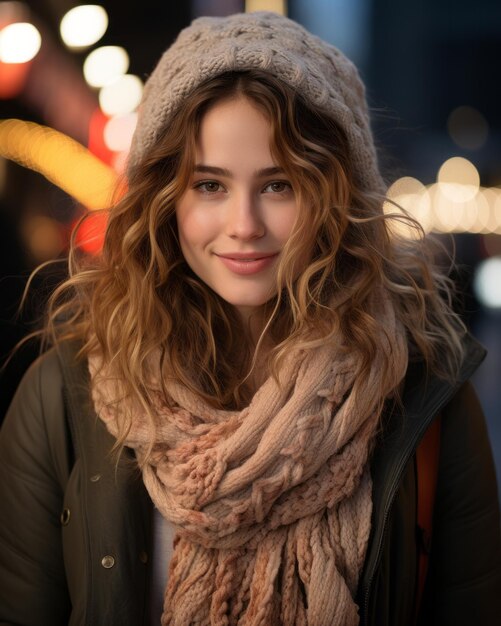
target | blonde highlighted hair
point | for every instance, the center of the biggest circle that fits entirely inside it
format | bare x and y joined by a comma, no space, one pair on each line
139,298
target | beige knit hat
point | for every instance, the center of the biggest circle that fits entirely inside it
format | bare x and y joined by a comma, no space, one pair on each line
210,46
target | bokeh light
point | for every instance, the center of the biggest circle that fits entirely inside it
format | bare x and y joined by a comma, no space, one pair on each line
487,283
43,236
468,209
89,235
468,128
105,64
118,132
62,160
277,6
122,96
13,78
492,198
83,25
19,43
459,179
411,195
456,216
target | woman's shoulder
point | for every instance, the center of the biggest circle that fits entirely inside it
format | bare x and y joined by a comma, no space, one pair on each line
425,394
424,398
34,439
44,369
40,391
44,380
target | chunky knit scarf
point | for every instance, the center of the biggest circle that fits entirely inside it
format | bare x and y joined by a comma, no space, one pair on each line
271,504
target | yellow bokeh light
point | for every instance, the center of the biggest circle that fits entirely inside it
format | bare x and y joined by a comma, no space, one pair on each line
411,195
444,210
276,6
450,216
467,209
480,208
459,179
497,209
62,160
43,237
492,197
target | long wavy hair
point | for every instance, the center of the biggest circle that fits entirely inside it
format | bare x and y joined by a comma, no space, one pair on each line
139,299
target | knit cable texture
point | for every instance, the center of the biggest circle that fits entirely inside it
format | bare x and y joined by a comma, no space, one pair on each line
316,70
271,504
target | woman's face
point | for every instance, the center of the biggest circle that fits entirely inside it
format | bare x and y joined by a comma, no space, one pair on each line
239,208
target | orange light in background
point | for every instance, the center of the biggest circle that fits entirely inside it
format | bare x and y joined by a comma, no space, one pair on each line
89,234
62,160
43,236
12,79
276,6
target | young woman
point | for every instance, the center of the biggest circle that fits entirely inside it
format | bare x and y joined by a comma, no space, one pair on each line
261,346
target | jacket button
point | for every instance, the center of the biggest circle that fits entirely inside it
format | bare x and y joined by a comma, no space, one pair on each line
65,517
107,561
143,557
95,478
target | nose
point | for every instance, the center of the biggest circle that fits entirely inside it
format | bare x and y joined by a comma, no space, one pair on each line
244,220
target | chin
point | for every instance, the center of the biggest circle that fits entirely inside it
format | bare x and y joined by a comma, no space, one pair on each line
246,303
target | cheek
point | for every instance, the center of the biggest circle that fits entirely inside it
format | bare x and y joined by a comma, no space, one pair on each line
194,227
283,224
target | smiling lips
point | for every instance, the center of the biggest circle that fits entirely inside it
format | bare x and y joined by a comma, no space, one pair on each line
247,263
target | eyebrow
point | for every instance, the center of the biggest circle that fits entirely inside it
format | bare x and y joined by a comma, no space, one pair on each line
220,171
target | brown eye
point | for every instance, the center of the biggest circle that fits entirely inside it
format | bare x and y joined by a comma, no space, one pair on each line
277,186
208,186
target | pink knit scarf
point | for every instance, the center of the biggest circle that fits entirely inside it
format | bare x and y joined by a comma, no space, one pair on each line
271,504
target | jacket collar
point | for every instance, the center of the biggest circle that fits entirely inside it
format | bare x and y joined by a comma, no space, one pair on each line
422,400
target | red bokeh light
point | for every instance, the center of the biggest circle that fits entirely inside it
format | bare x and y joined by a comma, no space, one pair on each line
89,234
12,79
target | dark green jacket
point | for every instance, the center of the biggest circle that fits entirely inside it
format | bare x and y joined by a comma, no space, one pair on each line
75,532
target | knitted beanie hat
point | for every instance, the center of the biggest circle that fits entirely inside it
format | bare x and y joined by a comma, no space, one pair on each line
317,71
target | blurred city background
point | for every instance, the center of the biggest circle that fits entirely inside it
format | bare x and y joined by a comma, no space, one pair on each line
71,78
